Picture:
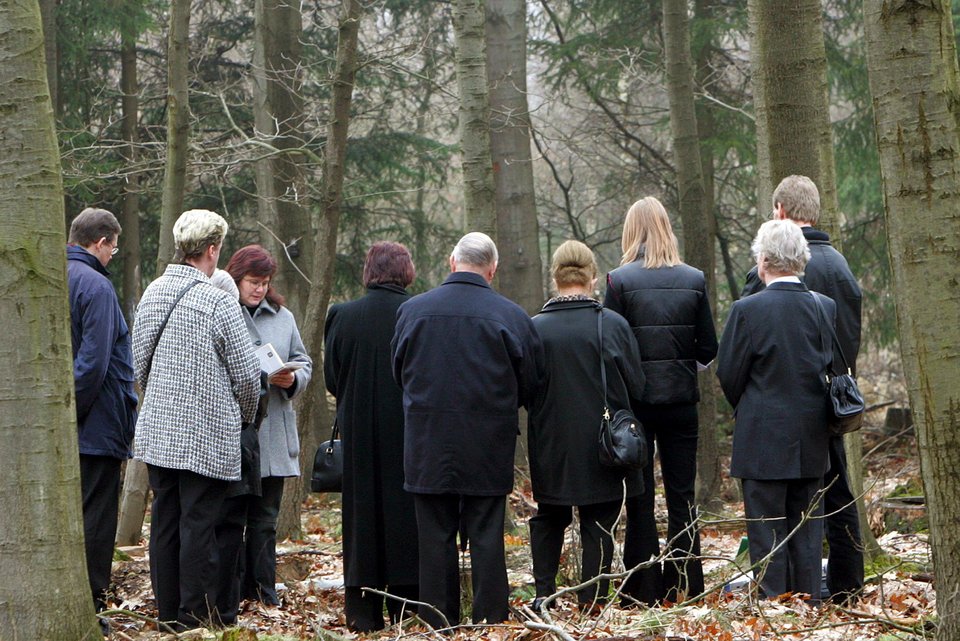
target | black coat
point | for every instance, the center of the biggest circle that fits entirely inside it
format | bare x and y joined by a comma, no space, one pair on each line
564,419
774,355
466,358
379,522
669,312
828,273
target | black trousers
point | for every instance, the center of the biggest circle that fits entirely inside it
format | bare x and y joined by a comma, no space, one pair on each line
845,559
774,509
100,490
439,518
364,611
596,542
260,545
183,544
229,533
675,429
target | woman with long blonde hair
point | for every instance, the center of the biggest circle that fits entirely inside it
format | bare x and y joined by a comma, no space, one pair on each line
665,302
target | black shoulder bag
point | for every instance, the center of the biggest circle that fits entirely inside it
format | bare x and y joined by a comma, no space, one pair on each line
328,464
621,443
163,325
845,402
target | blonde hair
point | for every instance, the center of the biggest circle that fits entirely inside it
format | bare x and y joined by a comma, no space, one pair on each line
195,230
647,232
800,199
573,265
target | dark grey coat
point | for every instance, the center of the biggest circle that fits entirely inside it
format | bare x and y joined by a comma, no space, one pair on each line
466,358
771,366
379,520
564,419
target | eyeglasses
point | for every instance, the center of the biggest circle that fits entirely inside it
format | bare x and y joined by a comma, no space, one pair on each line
116,248
257,284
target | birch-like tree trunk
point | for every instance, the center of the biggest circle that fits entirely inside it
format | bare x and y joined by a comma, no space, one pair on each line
278,114
914,81
44,593
789,67
698,222
314,415
521,270
471,62
178,127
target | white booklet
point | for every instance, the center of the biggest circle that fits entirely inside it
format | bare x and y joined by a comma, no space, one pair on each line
271,363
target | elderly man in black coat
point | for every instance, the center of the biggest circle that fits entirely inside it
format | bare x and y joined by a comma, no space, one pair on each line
797,199
466,358
772,361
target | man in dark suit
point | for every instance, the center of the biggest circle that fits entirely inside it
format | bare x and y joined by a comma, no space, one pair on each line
771,363
466,359
797,199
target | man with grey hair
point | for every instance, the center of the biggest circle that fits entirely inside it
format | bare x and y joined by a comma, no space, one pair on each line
201,379
103,380
466,358
797,199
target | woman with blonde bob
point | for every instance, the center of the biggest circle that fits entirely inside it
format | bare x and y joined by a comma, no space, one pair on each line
564,420
665,302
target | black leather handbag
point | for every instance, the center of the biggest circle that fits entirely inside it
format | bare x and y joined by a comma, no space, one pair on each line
622,445
328,464
844,400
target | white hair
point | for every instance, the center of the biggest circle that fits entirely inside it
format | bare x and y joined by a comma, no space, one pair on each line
197,229
223,280
476,249
782,246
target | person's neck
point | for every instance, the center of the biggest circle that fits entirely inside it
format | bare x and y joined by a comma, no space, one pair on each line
574,290
203,265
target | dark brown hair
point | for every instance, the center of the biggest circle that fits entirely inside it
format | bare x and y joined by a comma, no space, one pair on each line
91,225
254,260
388,263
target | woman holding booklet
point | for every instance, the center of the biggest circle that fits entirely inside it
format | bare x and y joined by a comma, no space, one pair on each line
268,321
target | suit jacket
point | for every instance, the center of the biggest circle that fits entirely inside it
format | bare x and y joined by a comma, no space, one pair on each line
466,359
829,274
774,354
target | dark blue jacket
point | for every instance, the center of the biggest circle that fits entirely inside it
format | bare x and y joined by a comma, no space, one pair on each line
102,360
466,358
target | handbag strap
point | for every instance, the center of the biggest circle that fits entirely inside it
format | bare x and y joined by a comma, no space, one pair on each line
335,432
822,314
163,325
603,367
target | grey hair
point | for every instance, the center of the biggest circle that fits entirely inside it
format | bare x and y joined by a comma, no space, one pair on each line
223,280
195,230
800,199
477,249
781,245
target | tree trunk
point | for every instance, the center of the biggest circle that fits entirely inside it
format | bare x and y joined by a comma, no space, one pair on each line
478,186
48,14
135,484
314,414
521,271
278,114
178,127
44,593
912,64
130,216
697,221
789,66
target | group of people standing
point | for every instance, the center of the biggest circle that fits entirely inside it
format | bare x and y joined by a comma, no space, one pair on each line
428,390
218,437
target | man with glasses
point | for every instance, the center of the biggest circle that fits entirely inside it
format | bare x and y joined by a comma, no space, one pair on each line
103,376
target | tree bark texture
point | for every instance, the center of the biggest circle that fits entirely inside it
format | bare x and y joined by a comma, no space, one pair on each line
44,593
912,64
789,67
471,62
130,215
48,14
278,114
521,270
698,225
314,414
178,127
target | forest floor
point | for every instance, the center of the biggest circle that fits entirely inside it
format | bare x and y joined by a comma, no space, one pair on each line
897,603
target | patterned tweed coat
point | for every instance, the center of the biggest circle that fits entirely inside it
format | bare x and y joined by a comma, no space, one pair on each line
203,381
